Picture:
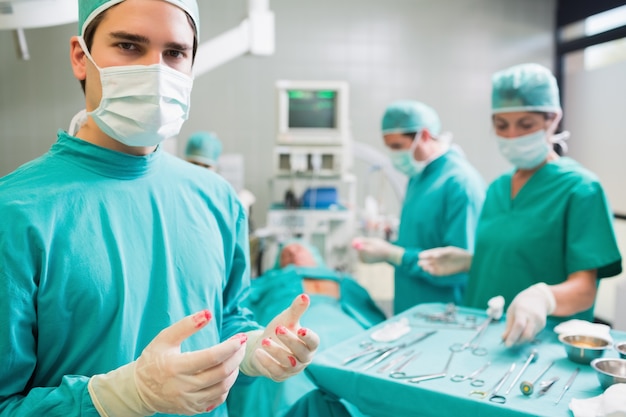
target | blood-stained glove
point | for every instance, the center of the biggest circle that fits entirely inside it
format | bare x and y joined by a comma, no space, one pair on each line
372,250
527,314
165,380
284,348
447,260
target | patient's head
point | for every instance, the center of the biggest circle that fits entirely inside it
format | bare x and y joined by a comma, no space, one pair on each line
296,254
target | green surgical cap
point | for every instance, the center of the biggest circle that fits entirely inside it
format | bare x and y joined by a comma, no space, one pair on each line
89,9
203,147
410,116
526,87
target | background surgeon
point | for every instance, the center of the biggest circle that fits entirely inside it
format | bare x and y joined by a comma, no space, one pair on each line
442,203
545,235
123,268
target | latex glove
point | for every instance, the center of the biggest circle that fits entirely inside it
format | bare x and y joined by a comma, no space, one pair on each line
284,348
527,314
165,380
445,261
372,250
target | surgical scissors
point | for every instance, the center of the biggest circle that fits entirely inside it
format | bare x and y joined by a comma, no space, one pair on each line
473,342
475,382
424,377
493,393
367,351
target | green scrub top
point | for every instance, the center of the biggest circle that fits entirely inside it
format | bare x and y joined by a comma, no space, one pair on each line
333,320
558,223
102,251
441,208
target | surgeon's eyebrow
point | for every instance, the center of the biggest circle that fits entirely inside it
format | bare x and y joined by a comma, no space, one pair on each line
133,37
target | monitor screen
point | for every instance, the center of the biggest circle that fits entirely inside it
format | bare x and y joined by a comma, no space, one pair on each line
314,109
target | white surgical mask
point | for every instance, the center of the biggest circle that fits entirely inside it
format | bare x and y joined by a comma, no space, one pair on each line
141,105
404,161
525,152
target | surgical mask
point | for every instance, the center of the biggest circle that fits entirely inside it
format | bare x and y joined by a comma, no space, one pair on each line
141,105
404,161
525,152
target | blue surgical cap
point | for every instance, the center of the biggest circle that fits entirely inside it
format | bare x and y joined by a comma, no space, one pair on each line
525,87
89,9
203,147
410,116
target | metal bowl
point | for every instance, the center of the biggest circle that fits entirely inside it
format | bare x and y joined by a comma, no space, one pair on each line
620,347
584,349
610,371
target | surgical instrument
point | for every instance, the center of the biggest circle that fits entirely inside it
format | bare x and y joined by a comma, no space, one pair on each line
527,387
546,385
424,377
367,351
473,342
401,360
493,393
531,358
568,384
475,382
384,354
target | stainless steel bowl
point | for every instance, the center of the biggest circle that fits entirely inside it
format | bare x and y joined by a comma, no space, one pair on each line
620,347
610,371
584,349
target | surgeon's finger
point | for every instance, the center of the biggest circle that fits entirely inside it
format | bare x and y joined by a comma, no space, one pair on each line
290,317
427,265
174,335
228,352
514,328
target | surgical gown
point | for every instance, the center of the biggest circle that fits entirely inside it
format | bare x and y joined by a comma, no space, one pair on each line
333,320
441,208
99,251
557,224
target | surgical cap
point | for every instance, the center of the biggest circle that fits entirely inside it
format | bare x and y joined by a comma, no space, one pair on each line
526,87
410,116
203,147
89,9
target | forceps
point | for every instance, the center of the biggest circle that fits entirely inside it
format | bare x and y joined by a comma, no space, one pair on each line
473,342
369,349
493,393
475,382
386,352
424,377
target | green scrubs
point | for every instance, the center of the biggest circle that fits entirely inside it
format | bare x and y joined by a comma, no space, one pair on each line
558,223
100,251
441,208
333,320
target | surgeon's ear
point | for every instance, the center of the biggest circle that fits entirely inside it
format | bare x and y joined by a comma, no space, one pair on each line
78,59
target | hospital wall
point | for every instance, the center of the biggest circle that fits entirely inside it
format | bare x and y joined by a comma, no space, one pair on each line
440,52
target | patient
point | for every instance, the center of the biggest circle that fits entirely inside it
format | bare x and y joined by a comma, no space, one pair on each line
340,308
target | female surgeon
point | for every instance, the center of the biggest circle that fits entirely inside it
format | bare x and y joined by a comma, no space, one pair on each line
545,234
441,206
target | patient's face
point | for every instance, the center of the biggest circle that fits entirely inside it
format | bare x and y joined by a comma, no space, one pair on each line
296,254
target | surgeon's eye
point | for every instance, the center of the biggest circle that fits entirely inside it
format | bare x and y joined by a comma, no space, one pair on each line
127,46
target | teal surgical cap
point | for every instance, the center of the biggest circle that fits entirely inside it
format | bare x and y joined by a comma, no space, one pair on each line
526,87
410,116
89,9
203,147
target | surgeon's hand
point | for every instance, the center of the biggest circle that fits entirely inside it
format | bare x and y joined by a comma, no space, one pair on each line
284,348
165,380
527,314
372,250
445,261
